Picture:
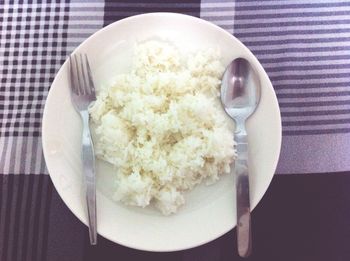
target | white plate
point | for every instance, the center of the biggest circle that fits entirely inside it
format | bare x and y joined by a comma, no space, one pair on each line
209,211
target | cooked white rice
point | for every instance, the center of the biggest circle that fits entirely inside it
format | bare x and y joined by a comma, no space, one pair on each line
162,127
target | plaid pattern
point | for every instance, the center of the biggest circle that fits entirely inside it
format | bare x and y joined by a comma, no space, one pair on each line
310,76
307,60
85,18
220,13
303,45
116,10
33,45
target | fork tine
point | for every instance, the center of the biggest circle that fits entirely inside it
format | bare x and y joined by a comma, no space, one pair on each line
83,67
77,66
80,74
89,74
77,72
73,75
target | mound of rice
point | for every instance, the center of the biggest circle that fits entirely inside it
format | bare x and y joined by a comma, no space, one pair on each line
162,127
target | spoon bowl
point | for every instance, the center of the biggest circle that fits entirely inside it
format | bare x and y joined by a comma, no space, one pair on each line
240,89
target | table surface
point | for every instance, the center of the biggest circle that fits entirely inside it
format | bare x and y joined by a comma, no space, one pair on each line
304,45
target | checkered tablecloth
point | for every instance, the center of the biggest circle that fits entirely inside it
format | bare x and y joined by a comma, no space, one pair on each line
304,45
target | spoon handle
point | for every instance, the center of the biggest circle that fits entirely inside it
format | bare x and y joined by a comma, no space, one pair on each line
244,241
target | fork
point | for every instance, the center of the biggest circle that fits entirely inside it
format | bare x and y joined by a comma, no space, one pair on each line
82,95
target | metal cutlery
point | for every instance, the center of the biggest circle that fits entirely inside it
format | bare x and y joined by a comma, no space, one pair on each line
82,95
240,95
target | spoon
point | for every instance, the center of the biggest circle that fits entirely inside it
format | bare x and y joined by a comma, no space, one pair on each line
240,95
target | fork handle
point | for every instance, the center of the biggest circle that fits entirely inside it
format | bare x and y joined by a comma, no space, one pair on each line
244,240
88,159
